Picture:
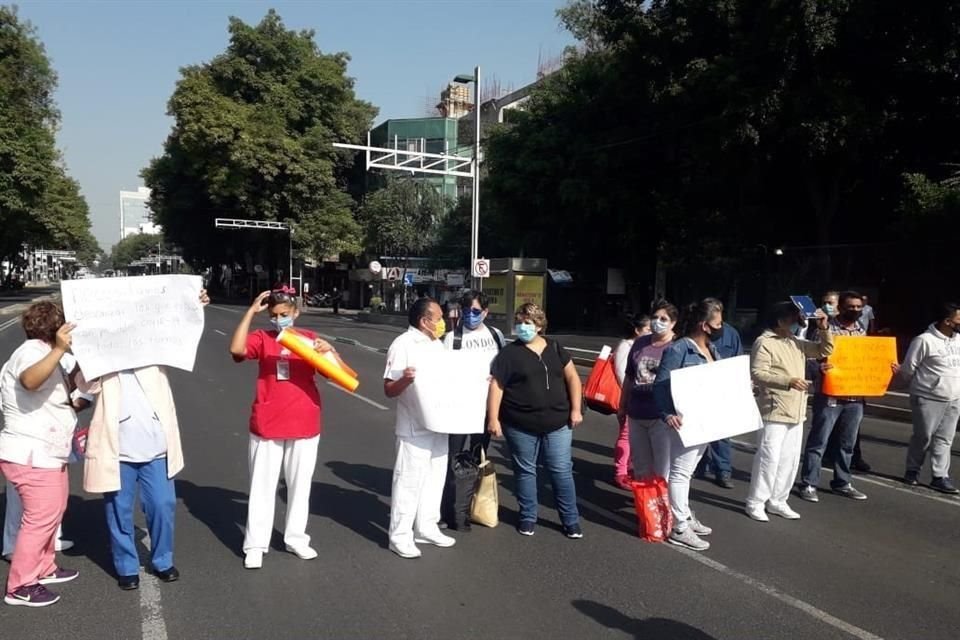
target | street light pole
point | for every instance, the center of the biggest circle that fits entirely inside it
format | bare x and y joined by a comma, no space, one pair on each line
475,208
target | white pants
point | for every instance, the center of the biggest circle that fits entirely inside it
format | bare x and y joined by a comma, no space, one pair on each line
298,459
649,448
11,521
419,474
775,464
683,463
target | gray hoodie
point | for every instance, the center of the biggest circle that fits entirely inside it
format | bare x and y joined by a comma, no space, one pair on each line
932,366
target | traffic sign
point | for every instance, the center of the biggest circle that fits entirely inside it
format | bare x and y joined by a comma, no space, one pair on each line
408,279
481,268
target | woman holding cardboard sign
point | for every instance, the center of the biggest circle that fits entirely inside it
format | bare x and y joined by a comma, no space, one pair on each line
777,365
284,427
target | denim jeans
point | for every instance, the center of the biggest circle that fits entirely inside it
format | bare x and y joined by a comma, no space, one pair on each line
717,459
844,417
525,448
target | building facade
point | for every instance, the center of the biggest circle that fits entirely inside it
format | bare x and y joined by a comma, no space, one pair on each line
428,135
135,215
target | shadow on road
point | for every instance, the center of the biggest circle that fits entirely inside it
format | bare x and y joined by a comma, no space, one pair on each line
360,511
223,511
640,629
364,476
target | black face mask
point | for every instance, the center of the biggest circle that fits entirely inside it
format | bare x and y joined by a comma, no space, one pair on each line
716,334
851,316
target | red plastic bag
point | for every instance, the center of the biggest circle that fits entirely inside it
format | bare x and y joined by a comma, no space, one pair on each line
652,504
602,391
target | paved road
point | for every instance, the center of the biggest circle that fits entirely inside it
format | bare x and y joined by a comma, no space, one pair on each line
885,568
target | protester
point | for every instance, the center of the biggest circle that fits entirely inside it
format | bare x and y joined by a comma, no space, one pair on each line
717,456
284,427
35,444
778,366
701,321
534,402
134,441
649,441
421,464
932,370
633,327
469,334
830,413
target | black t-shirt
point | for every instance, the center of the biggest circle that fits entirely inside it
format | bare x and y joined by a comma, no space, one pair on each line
534,390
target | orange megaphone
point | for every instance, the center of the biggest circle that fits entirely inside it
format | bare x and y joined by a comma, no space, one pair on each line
327,364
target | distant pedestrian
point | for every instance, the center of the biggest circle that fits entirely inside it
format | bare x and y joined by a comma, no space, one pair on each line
534,402
420,468
35,443
471,334
932,369
778,366
831,413
633,327
673,459
336,299
868,317
649,442
284,427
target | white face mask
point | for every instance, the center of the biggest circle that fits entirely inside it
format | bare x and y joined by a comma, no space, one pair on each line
659,327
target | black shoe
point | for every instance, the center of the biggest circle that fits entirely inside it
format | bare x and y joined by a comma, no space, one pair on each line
128,583
860,466
170,575
944,485
723,481
911,479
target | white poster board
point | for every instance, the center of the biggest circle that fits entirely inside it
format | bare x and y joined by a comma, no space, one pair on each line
715,401
450,390
126,323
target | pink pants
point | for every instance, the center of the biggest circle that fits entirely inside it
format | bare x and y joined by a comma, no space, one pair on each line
621,451
44,495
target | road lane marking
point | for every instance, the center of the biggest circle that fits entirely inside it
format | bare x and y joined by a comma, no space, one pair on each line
359,397
880,482
152,625
773,592
220,332
227,309
9,323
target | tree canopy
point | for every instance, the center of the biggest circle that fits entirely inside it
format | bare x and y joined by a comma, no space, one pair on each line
252,139
403,218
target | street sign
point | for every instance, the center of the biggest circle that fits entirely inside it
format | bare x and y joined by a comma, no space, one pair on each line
481,268
408,279
393,274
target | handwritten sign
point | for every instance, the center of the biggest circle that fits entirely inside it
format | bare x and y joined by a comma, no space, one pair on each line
715,401
861,366
450,390
126,323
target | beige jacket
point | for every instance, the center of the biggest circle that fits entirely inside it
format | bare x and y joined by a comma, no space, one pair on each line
774,362
101,468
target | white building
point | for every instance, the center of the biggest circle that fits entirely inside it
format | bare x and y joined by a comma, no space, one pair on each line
135,215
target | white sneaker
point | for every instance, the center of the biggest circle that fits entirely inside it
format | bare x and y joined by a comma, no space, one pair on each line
757,513
436,539
405,550
253,559
304,553
783,510
63,545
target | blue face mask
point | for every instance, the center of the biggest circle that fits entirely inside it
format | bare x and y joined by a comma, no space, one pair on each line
473,318
281,323
525,332
795,328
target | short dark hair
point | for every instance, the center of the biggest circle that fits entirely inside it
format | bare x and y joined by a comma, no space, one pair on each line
418,310
41,321
468,296
668,307
849,295
947,310
698,312
632,322
781,311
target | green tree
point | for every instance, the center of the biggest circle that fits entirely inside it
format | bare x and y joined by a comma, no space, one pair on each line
133,248
252,139
403,218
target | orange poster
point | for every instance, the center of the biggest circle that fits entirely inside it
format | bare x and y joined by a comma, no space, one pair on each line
861,366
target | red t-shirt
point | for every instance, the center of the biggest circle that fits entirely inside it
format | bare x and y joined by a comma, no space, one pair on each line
283,409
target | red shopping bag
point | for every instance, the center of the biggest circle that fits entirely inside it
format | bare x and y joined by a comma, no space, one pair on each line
652,504
602,391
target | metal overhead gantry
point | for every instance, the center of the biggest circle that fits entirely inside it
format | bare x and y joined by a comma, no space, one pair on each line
268,225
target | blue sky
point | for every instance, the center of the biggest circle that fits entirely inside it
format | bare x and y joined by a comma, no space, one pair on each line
118,63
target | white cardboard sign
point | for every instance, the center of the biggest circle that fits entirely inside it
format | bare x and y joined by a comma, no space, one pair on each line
450,390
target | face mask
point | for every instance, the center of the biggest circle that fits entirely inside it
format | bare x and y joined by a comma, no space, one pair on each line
659,327
795,328
282,322
439,329
715,334
525,332
473,318
851,316
829,310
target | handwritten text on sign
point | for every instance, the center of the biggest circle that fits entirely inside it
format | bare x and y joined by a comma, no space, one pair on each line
126,323
715,400
861,366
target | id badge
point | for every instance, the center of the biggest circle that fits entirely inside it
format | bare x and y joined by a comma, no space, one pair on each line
283,369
